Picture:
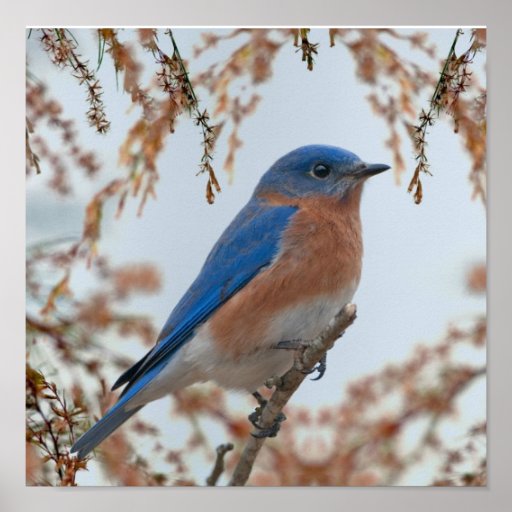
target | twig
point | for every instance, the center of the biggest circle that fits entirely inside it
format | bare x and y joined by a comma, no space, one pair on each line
201,119
288,384
424,443
32,158
219,463
63,53
454,80
307,48
427,119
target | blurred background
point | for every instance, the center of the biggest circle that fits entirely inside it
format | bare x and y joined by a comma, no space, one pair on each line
118,226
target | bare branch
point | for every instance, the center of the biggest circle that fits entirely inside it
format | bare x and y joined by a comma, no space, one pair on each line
219,463
288,384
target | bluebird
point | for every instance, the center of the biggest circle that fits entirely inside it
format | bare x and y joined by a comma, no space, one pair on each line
287,263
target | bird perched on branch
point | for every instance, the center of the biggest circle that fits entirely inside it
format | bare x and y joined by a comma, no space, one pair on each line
282,269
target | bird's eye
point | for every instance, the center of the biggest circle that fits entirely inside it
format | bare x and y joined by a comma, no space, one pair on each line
321,171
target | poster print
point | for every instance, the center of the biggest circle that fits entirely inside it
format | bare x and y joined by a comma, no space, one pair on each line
207,208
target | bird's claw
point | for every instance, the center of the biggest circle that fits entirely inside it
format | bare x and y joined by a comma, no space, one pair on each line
255,417
269,431
321,367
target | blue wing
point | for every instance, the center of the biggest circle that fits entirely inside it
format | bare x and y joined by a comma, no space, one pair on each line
249,244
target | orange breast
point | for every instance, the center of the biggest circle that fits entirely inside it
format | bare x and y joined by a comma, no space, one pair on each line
321,255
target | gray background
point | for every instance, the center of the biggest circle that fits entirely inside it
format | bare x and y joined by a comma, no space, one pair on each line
13,494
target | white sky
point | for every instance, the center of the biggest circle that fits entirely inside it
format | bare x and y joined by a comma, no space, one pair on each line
416,257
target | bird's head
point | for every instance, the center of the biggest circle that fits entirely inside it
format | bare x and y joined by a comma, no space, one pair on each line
317,170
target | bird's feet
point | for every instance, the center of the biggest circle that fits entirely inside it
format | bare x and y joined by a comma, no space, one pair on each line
269,431
255,417
321,367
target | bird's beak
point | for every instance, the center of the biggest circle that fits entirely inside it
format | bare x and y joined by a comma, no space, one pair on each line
371,170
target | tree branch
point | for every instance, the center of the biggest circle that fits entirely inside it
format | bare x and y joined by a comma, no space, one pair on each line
286,386
219,463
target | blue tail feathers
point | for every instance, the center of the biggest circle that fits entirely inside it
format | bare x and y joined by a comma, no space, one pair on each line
94,436
116,416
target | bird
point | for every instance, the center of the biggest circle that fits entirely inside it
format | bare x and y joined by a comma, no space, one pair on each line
281,270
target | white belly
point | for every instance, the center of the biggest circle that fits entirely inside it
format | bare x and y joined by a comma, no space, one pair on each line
201,360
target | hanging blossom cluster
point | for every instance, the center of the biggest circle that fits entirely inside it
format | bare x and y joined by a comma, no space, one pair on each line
468,115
